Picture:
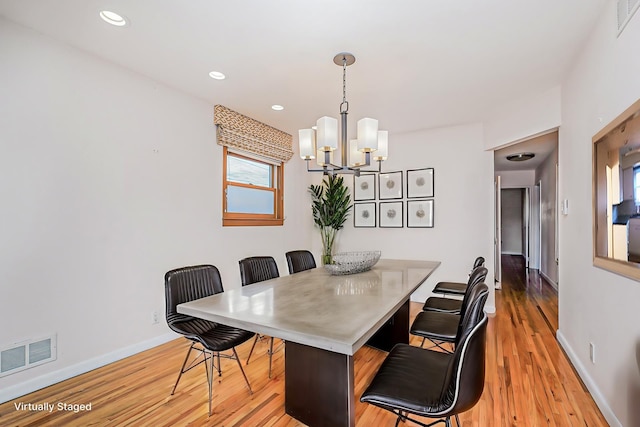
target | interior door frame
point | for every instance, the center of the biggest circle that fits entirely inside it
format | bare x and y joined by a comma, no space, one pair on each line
497,239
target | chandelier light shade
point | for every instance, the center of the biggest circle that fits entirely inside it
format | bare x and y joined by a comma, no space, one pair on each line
367,135
383,146
327,133
356,157
307,140
325,158
371,144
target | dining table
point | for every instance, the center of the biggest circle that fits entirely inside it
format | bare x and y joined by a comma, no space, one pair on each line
324,319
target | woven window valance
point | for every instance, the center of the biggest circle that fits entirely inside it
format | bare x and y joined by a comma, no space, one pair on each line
244,133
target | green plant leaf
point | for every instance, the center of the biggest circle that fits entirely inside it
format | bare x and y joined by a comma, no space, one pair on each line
330,207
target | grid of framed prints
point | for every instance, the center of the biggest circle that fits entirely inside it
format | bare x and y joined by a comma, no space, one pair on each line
391,211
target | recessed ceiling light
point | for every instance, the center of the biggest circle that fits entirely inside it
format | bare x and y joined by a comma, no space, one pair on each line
277,107
520,157
217,75
113,18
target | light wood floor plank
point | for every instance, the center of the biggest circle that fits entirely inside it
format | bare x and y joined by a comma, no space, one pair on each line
529,380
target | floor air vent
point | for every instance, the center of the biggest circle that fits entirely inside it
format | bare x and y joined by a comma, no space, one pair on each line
27,354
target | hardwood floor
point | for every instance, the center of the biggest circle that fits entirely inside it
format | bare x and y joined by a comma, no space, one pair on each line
529,381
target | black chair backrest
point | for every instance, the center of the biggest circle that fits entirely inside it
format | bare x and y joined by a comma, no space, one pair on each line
476,295
477,275
479,262
257,269
187,284
466,372
299,261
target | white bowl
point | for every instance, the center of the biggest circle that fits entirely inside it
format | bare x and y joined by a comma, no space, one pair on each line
352,262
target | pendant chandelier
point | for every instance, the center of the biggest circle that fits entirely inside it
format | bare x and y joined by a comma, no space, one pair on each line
371,144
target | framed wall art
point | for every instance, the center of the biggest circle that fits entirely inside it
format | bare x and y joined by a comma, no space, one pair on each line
391,215
420,183
390,185
364,214
420,213
364,187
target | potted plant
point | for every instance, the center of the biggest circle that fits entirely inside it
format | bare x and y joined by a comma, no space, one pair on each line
331,206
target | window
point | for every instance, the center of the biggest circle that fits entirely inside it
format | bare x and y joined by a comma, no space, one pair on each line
252,191
636,184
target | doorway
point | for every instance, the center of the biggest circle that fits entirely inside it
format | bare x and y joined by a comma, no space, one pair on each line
526,224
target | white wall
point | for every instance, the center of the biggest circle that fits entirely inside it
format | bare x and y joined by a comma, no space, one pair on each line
517,179
546,174
108,180
595,305
523,118
463,211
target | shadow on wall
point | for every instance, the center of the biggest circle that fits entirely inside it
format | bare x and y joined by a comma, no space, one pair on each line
634,393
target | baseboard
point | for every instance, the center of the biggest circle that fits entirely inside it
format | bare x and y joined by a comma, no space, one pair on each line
12,392
588,381
553,284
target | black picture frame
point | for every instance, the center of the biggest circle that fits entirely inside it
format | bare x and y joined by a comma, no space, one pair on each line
390,185
420,213
364,215
391,215
364,187
420,183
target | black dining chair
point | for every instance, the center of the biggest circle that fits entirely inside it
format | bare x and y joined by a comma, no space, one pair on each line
478,274
258,269
300,260
441,328
417,381
208,338
450,305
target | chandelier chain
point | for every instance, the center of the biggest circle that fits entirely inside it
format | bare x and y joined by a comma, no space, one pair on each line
344,106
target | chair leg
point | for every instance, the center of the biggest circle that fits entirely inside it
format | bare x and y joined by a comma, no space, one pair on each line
458,421
219,365
210,378
242,370
270,355
182,369
252,347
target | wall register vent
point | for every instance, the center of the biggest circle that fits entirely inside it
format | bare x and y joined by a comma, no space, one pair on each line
27,354
626,9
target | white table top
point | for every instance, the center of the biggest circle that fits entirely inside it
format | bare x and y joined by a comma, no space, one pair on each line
335,313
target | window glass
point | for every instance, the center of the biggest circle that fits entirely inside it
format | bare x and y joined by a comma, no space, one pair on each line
636,185
249,200
248,171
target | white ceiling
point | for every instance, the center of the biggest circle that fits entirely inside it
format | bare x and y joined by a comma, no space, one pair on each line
419,63
541,146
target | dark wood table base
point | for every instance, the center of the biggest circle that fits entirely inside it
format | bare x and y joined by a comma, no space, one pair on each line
319,388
